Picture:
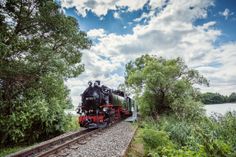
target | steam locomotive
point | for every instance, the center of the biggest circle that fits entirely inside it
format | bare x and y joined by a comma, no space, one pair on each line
102,106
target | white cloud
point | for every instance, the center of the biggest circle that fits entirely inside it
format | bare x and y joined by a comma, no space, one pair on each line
96,33
101,7
226,13
157,3
131,4
3,3
208,25
116,15
144,16
170,33
222,74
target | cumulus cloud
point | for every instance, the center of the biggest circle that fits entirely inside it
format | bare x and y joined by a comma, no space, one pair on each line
100,8
170,33
226,13
144,16
96,33
116,15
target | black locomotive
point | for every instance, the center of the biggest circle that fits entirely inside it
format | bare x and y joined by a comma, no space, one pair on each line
102,106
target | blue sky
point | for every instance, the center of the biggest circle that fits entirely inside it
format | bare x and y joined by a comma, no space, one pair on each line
225,23
122,25
125,23
202,32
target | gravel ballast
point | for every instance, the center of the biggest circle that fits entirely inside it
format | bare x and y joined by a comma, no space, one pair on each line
112,142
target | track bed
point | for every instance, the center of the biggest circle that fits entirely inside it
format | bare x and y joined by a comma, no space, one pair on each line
111,142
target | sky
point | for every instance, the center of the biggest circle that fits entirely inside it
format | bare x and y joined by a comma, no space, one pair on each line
202,32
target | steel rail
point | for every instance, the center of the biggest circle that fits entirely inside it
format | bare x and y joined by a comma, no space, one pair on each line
33,151
68,143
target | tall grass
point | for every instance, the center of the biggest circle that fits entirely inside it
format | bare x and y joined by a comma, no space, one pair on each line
170,136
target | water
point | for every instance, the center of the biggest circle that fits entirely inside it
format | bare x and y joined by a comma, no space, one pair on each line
220,108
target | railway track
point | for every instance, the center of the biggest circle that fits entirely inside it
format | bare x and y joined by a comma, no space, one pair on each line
113,141
54,146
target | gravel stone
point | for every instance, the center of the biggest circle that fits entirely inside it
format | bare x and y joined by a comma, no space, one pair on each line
112,142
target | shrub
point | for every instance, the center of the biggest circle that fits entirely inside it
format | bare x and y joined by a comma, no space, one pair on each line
179,132
183,152
188,109
213,137
155,140
72,125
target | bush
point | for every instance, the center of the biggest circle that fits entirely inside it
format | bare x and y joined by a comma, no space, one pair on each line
209,137
227,128
157,143
179,132
188,109
154,140
37,115
218,135
72,125
183,152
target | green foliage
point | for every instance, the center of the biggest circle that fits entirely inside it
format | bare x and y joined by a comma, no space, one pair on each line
162,85
40,48
73,124
167,85
213,137
158,143
213,98
216,98
38,114
183,152
155,139
187,108
5,151
232,97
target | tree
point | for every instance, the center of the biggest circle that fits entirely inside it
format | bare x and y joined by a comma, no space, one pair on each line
232,97
213,98
39,48
162,85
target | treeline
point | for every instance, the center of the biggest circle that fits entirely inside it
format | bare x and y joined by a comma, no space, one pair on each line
216,98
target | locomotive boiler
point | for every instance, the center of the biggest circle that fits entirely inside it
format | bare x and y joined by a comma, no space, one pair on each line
102,106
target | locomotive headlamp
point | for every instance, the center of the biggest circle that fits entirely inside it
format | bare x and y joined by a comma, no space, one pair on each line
105,109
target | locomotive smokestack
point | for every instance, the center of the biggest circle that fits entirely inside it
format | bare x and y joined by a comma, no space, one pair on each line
98,82
90,83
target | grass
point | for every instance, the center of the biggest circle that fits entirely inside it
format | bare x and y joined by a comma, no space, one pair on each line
73,125
136,148
9,150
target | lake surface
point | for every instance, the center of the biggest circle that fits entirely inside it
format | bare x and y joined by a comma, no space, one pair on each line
220,108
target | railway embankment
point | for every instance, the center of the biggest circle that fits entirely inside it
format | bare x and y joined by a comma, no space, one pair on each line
113,141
